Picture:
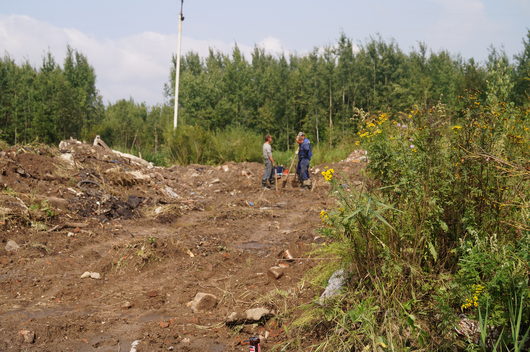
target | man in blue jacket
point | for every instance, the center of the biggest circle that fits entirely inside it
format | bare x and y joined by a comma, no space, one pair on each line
304,157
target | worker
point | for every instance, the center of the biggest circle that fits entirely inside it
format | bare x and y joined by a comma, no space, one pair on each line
268,173
304,157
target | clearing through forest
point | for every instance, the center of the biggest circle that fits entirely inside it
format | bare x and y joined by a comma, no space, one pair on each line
146,240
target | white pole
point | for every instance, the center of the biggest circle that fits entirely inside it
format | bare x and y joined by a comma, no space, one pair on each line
177,68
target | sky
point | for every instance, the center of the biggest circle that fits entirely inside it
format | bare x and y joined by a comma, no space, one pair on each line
130,42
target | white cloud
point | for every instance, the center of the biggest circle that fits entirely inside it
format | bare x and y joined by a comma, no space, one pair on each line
134,66
273,45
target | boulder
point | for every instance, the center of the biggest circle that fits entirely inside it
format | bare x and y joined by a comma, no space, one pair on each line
92,275
250,316
12,246
27,335
203,302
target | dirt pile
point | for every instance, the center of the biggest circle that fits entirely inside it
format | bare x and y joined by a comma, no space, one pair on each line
150,239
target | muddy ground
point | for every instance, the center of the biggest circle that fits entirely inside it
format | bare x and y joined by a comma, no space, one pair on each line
156,237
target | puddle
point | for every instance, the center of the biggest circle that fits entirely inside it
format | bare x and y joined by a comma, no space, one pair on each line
32,313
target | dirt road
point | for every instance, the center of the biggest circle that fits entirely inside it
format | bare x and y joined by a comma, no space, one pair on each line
156,237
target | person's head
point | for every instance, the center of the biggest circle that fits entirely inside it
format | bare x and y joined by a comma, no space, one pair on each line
300,138
268,138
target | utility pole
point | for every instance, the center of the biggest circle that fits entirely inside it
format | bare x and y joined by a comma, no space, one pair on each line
177,67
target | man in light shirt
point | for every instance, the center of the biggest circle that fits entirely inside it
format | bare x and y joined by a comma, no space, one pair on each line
268,174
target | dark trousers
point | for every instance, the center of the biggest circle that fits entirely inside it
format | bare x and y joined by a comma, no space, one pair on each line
303,169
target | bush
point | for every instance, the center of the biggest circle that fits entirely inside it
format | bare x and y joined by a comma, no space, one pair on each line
442,229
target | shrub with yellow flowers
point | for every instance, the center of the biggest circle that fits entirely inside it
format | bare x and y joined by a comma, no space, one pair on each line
473,301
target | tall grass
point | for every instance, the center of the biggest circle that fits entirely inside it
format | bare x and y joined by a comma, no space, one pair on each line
195,145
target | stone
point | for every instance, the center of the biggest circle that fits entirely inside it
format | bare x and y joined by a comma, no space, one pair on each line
126,305
335,284
170,192
249,316
276,272
203,302
27,335
163,324
91,275
12,246
256,314
68,158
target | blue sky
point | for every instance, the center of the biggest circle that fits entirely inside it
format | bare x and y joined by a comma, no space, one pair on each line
130,42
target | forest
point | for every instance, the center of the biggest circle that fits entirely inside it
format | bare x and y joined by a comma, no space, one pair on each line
229,96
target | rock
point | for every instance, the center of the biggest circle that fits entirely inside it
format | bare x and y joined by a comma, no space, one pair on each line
225,168
134,201
256,314
91,274
68,158
335,283
276,272
186,340
168,191
203,302
127,305
21,172
249,316
12,246
469,328
163,324
27,335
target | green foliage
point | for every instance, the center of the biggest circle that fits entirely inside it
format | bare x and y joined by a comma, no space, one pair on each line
196,145
442,229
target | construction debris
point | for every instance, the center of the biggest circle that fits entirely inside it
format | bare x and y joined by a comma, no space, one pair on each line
335,284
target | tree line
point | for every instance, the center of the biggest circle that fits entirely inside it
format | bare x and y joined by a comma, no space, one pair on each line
320,92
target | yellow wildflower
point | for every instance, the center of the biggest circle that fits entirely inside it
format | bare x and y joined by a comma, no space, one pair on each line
456,127
362,135
328,174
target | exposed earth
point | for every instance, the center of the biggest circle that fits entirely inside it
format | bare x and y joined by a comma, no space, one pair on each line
146,240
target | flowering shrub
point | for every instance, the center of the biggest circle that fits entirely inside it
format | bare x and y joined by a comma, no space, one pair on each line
442,227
